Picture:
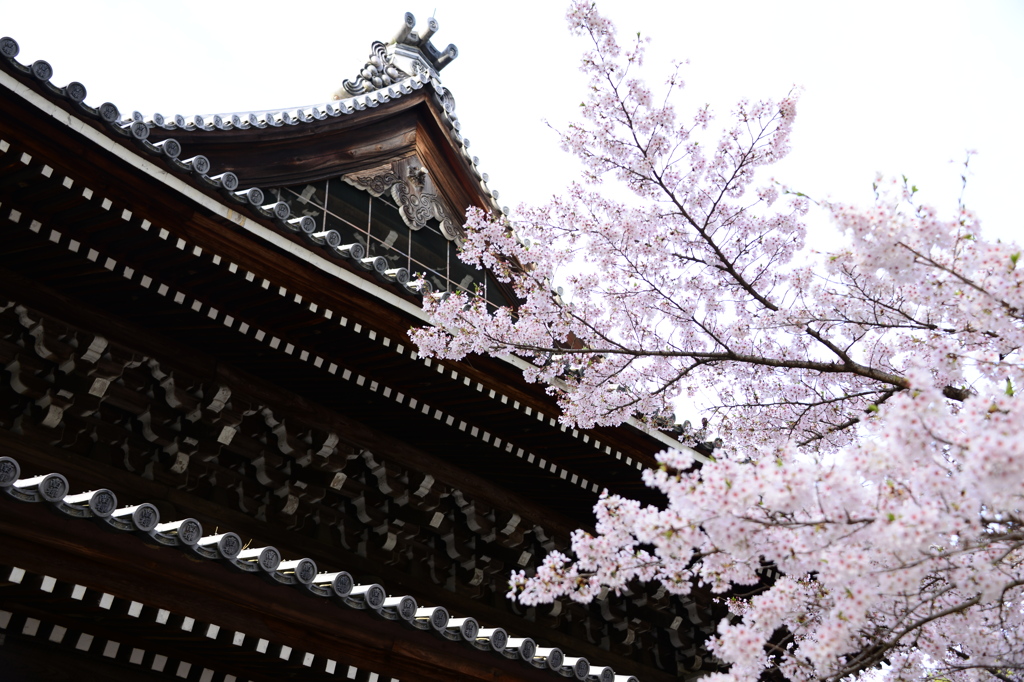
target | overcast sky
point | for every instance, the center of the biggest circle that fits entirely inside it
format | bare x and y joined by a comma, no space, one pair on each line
896,87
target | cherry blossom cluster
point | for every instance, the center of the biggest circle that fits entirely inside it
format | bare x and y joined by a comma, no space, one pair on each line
875,444
905,548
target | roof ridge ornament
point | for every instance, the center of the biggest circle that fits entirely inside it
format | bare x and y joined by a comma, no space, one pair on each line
406,55
410,186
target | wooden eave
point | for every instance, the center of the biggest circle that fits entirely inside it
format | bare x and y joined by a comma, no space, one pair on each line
125,187
68,450
41,270
72,552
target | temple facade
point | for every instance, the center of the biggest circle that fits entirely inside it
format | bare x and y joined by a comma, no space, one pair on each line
222,459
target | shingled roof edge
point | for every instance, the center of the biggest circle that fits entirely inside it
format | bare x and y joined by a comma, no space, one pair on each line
226,547
76,93
193,193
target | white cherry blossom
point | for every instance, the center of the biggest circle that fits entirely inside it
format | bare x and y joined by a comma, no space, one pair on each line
873,445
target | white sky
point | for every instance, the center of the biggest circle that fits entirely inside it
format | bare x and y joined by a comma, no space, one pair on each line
898,87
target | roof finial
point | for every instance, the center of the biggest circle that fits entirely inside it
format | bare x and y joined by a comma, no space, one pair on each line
408,24
408,54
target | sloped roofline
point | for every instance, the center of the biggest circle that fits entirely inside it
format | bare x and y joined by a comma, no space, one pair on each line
105,127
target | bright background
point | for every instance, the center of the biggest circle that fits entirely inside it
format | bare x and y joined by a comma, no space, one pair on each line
896,87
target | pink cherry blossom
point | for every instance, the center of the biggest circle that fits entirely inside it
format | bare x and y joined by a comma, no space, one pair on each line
874,444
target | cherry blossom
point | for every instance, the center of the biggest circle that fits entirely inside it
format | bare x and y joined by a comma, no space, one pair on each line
872,443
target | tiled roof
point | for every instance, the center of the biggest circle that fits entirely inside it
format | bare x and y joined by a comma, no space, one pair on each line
136,128
369,94
187,535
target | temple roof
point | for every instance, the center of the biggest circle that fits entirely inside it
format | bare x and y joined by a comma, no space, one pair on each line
164,236
266,563
200,171
179,143
404,66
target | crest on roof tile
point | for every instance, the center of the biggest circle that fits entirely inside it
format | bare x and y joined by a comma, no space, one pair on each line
406,55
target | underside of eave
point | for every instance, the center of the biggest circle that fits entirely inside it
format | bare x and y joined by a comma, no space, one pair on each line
290,155
216,235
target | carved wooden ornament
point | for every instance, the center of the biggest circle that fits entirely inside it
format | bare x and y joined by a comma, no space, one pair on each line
413,191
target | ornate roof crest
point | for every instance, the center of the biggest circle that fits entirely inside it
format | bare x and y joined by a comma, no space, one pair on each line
406,54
